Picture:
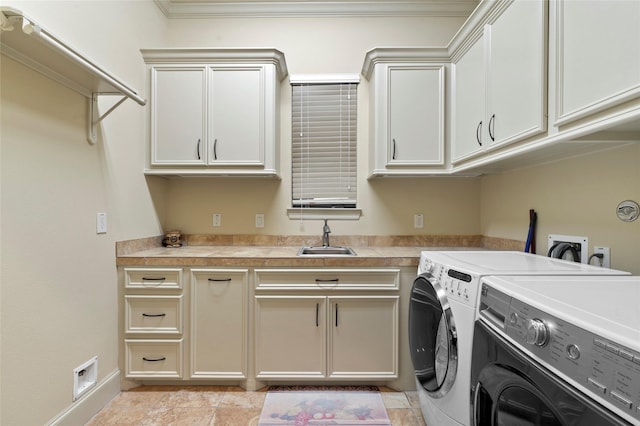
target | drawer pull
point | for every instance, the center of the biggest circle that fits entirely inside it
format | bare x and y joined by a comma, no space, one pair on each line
220,280
317,309
334,280
144,358
153,279
153,315
336,314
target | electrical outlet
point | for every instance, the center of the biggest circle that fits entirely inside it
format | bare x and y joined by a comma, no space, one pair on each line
606,256
217,220
418,221
259,220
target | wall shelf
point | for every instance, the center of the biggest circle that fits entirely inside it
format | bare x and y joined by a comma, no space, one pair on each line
29,43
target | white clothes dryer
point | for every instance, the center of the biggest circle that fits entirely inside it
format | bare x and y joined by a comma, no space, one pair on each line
442,312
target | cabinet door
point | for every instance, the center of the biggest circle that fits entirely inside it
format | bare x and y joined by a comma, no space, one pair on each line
517,73
178,105
416,115
290,337
598,56
218,323
363,337
469,97
236,125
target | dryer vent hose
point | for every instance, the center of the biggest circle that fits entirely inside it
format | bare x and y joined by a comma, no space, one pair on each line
558,250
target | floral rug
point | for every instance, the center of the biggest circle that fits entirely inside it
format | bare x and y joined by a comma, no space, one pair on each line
320,408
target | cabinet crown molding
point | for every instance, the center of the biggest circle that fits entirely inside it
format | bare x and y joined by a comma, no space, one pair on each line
197,55
380,55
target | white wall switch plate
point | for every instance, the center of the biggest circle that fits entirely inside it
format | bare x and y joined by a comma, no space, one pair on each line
418,221
259,220
101,223
217,220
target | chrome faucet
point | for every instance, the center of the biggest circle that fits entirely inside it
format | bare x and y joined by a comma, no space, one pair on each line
325,234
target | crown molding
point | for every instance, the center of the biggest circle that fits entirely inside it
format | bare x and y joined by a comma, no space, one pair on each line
252,55
278,9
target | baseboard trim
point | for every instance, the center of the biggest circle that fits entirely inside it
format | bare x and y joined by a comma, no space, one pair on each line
89,404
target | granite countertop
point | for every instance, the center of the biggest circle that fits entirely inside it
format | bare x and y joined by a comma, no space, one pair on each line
261,256
282,251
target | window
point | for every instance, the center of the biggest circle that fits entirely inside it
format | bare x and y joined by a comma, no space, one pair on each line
324,130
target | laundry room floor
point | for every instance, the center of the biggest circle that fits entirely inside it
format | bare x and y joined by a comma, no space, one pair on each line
220,406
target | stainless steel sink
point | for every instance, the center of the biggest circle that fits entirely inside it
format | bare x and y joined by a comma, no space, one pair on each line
326,251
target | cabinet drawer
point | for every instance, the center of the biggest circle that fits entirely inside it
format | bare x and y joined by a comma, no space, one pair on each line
153,278
154,358
327,279
153,315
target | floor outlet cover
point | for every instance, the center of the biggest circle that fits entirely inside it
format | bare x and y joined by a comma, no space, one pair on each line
315,408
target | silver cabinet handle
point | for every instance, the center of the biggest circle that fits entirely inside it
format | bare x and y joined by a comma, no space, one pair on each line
478,129
492,127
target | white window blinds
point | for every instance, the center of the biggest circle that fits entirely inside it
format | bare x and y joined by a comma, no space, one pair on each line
324,144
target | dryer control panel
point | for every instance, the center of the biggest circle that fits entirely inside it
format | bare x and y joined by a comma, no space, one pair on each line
604,369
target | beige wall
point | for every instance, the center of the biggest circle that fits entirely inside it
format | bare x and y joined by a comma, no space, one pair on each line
578,197
58,277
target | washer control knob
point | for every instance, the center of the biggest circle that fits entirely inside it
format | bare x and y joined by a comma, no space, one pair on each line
537,332
573,351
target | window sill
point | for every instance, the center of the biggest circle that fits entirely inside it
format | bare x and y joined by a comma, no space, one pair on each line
335,214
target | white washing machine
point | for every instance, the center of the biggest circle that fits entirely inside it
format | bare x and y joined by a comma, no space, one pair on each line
557,351
442,312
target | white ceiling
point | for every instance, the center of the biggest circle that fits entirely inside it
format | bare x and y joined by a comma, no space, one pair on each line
314,8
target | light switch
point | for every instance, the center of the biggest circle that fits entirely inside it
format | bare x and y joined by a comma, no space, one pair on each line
101,223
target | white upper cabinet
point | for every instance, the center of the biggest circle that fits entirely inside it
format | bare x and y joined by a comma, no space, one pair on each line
237,115
598,56
178,115
469,100
500,82
517,73
415,115
407,112
214,111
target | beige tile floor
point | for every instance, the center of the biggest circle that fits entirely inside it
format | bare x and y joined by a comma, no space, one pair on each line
219,406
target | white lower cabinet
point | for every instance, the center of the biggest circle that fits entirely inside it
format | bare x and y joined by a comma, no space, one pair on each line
153,358
363,337
153,323
326,332
165,335
219,323
290,336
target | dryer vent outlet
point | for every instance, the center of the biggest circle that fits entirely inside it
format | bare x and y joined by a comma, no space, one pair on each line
569,247
85,377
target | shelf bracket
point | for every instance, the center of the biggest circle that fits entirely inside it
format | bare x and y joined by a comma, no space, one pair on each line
95,119
23,40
